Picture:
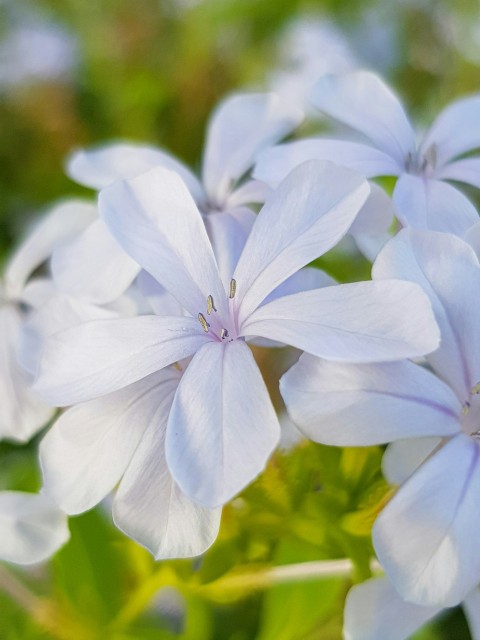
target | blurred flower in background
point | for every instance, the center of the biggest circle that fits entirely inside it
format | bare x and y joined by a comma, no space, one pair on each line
32,48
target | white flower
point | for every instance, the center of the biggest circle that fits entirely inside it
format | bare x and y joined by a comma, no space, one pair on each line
32,528
422,198
239,128
221,427
426,536
119,439
22,413
375,611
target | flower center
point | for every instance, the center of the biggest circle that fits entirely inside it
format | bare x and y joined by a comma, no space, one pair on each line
220,329
471,413
423,164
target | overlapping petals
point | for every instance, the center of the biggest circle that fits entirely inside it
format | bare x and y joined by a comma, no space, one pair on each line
421,198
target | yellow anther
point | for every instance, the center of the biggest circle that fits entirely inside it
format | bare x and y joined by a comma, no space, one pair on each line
203,322
475,390
210,305
466,408
224,334
233,287
177,366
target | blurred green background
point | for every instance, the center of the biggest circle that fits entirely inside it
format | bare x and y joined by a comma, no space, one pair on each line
75,73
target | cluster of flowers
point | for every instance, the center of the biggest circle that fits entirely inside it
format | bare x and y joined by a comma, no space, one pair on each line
143,326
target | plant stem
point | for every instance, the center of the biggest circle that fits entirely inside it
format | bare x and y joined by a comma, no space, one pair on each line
19,593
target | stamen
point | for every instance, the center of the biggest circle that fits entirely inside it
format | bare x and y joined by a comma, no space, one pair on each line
475,390
210,305
233,287
177,366
466,408
431,155
203,322
224,334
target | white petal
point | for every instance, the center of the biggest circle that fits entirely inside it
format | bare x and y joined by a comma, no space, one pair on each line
466,170
160,300
456,130
376,215
59,313
431,204
308,214
228,233
93,266
473,238
222,427
97,168
358,322
371,245
403,457
452,287
375,611
101,356
61,224
358,405
22,413
151,509
253,191
471,608
306,279
31,528
38,291
426,537
87,450
240,127
155,220
362,101
275,163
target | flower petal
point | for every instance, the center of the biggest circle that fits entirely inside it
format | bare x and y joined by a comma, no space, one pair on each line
221,431
228,233
304,280
98,168
93,266
431,204
473,238
160,300
426,537
275,163
363,102
59,313
376,215
22,413
456,130
87,450
101,356
151,509
361,405
155,220
403,457
61,224
308,214
452,287
375,611
240,127
251,192
471,608
358,322
466,170
31,528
